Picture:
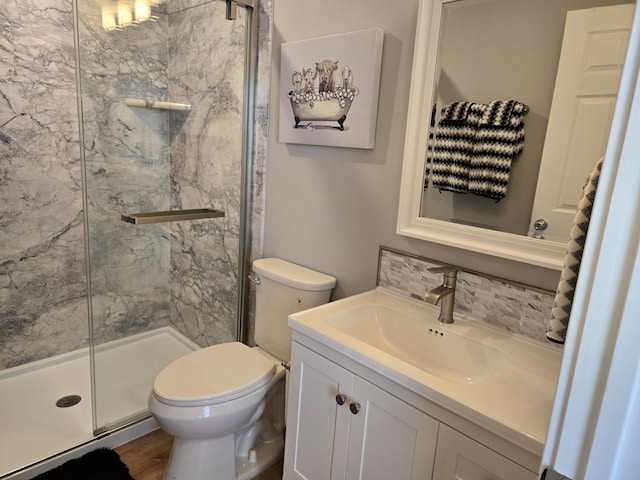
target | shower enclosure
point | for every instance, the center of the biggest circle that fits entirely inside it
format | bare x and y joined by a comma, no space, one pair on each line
165,107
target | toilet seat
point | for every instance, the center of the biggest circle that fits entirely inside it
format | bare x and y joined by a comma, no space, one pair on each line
213,375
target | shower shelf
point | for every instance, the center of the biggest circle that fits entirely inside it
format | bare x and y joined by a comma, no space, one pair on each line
144,103
170,216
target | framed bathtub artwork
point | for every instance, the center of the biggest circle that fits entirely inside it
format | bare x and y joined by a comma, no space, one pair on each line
329,89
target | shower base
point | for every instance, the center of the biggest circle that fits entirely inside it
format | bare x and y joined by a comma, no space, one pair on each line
34,428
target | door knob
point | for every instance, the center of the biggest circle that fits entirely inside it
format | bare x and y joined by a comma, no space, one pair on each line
341,398
540,224
354,407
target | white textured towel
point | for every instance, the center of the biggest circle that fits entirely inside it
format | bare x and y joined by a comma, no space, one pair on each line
563,302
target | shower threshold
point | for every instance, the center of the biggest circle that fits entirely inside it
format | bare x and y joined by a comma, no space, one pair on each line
34,428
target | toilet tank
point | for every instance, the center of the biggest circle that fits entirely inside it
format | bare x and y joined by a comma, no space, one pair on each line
285,288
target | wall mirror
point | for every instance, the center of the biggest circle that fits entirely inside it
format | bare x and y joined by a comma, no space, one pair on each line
560,58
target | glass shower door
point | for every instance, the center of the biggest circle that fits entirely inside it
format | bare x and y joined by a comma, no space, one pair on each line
163,97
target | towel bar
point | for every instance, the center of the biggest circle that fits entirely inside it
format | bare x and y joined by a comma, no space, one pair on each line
170,216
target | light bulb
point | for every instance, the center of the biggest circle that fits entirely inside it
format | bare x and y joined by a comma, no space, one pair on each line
125,14
109,18
142,10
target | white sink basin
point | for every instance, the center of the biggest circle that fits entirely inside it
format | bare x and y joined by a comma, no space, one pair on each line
423,343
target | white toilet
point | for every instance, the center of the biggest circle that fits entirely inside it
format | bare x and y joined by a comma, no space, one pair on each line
225,404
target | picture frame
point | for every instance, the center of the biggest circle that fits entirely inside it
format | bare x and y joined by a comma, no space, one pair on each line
329,89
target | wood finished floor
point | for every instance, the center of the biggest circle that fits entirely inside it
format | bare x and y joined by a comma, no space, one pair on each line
147,457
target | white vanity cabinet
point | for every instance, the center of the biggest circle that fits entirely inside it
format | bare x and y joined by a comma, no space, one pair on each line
340,426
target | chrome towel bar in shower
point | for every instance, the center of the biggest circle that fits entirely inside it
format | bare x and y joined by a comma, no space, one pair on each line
171,216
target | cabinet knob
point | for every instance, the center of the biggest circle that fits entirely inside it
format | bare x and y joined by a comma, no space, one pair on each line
341,398
354,407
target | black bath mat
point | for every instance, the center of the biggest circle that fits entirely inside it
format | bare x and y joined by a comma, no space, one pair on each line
100,464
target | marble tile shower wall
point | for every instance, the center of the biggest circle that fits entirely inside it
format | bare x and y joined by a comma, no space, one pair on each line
181,274
43,308
514,308
43,304
127,163
206,70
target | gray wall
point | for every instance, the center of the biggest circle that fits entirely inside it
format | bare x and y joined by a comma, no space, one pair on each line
331,208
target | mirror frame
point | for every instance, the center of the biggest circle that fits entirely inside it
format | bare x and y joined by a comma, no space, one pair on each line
510,246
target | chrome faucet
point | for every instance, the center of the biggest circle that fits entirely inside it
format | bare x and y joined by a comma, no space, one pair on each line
445,293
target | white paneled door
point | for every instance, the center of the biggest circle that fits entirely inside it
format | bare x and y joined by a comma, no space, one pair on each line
593,50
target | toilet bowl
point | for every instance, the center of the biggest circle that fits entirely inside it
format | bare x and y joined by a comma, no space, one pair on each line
225,404
209,399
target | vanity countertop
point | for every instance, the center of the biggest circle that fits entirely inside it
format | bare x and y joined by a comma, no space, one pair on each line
514,401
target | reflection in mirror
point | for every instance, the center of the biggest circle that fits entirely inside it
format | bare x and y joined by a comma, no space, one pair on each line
505,49
481,51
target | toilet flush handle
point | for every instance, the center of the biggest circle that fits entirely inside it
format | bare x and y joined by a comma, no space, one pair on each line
254,279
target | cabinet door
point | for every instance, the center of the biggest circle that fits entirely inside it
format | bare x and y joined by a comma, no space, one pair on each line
459,457
317,427
389,439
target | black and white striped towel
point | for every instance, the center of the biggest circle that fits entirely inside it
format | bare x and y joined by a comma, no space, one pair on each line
561,310
499,140
453,146
474,146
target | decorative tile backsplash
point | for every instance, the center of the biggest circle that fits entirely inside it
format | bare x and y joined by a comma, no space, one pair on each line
513,307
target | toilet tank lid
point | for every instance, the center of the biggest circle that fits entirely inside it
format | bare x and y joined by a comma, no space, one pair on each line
293,275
